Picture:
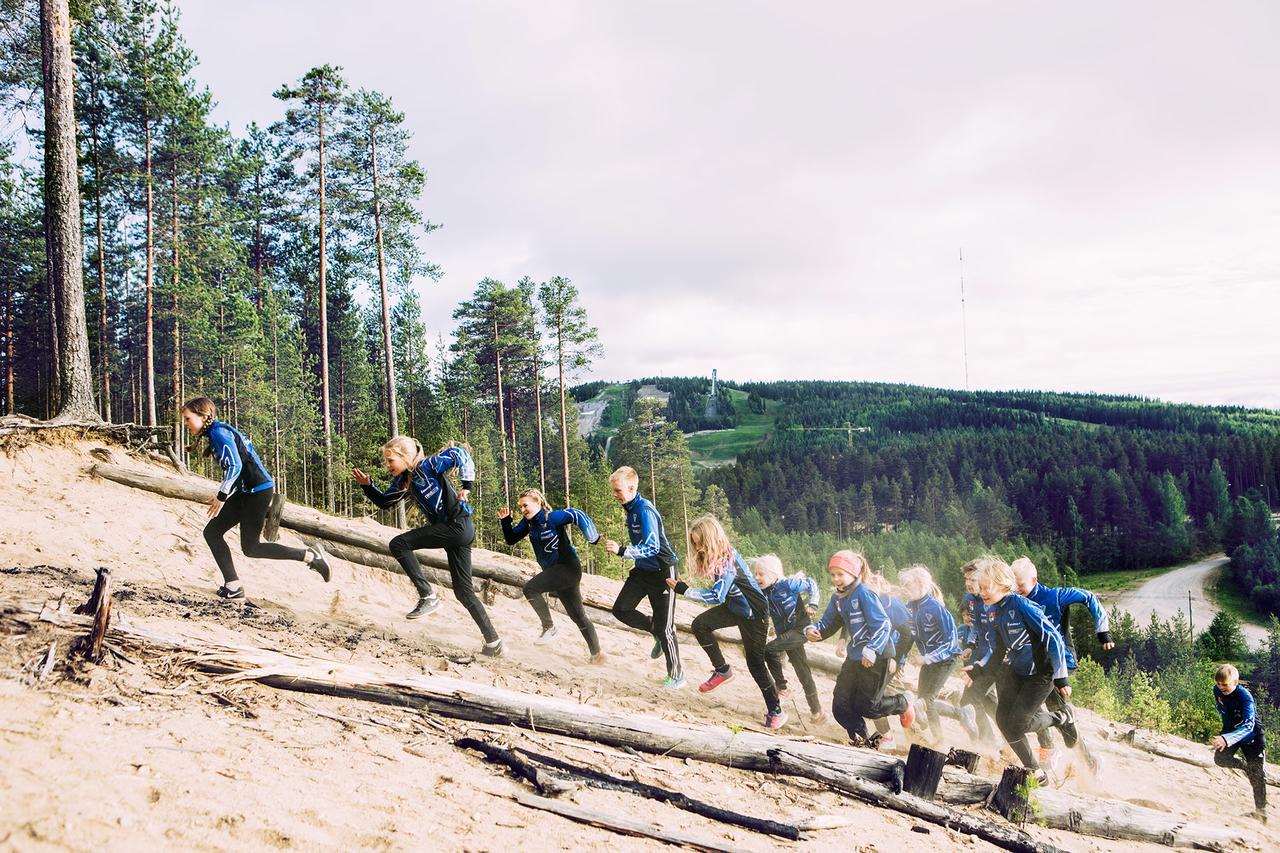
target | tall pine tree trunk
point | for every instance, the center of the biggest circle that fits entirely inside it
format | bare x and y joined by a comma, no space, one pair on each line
104,355
63,249
149,361
8,338
537,396
392,411
502,423
324,334
564,419
176,378
257,232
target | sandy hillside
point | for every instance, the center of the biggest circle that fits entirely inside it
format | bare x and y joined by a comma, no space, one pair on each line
148,753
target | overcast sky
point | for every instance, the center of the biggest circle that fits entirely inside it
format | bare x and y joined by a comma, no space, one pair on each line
781,190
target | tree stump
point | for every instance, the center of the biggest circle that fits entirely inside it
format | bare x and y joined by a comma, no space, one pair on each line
1010,797
924,771
964,759
271,527
99,605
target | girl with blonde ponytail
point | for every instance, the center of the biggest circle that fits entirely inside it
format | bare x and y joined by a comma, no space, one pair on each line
449,523
738,603
548,530
935,634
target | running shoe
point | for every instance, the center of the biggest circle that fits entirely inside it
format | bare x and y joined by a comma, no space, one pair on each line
656,651
598,659
1070,734
908,717
716,679
492,649
818,717
319,561
548,634
676,683
231,595
426,604
775,719
969,719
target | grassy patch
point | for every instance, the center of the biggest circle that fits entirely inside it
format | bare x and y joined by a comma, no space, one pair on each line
1235,602
722,446
1113,583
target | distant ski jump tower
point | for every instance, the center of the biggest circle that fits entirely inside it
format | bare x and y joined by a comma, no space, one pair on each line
713,409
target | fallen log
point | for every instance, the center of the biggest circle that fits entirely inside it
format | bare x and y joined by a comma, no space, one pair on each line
1005,837
370,539
1183,751
739,749
545,783
596,778
617,824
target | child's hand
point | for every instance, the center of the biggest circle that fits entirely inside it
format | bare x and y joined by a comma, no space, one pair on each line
966,654
812,635
671,584
1218,743
504,513
893,666
215,507
464,494
1065,690
841,651
1108,646
361,477
868,662
966,679
611,546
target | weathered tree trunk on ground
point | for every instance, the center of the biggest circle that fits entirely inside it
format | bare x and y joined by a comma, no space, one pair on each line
1199,757
64,252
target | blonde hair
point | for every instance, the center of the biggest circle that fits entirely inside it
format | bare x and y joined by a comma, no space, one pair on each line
1025,563
406,447
995,570
878,583
769,565
971,566
709,547
626,474
1225,673
537,496
917,582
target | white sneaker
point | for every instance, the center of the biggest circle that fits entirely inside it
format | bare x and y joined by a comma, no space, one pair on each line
547,635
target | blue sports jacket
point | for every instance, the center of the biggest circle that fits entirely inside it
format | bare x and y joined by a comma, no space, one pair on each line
1023,638
1239,716
1054,601
900,621
242,470
934,629
978,631
859,611
785,607
735,587
546,530
431,489
649,546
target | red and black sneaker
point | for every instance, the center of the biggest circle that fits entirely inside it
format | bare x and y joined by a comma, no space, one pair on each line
907,717
717,678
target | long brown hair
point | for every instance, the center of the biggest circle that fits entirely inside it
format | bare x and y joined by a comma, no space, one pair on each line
709,547
205,408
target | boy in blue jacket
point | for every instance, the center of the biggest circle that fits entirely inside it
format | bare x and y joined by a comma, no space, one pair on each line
790,601
1241,732
859,691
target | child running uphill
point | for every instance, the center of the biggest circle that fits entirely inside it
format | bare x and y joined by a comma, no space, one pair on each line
980,692
738,603
449,523
859,691
790,601
1241,732
243,498
900,642
1029,660
655,565
561,574
936,638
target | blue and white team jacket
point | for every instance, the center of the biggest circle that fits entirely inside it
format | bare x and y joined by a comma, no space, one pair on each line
1054,601
1024,638
934,629
735,587
784,601
860,611
978,636
431,489
242,470
649,546
900,621
547,531
1239,715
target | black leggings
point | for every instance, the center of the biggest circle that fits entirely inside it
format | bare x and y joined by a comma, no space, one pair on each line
652,584
792,645
754,634
250,512
1251,765
933,677
981,696
455,537
1020,709
859,695
564,579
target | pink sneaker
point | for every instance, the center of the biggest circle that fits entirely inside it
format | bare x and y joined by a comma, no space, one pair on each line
907,717
775,721
714,681
818,718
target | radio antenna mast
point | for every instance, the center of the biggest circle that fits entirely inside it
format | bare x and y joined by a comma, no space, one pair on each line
964,323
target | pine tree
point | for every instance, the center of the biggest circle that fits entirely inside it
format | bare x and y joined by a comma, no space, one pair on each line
576,344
